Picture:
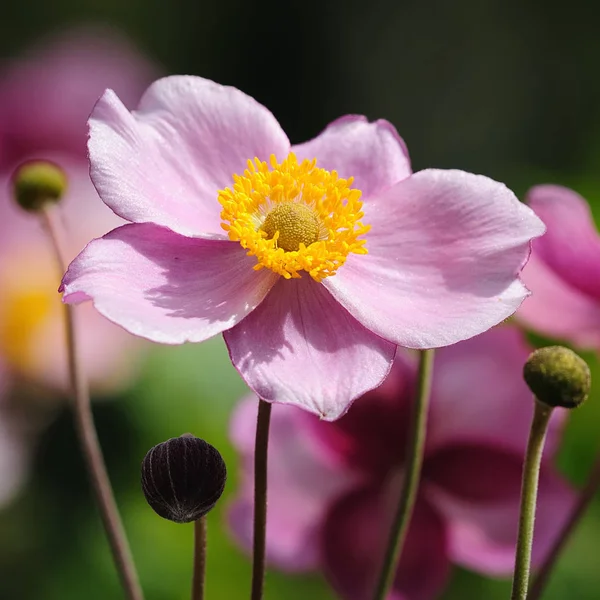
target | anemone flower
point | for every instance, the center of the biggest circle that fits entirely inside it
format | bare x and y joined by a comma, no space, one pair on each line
332,486
315,260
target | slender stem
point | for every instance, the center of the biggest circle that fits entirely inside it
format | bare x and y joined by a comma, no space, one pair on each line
199,559
586,496
408,494
260,498
86,431
529,489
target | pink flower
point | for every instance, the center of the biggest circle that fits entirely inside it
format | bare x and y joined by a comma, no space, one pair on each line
332,486
234,230
564,269
46,96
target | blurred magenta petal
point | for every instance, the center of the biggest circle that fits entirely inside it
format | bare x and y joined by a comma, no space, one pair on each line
495,404
46,96
165,162
467,512
498,472
482,535
372,153
439,239
355,534
303,479
301,347
144,277
563,270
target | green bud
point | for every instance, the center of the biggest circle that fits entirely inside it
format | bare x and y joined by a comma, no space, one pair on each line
37,183
557,377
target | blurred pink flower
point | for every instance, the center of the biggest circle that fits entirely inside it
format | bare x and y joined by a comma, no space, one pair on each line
31,319
47,95
318,323
564,270
45,99
332,486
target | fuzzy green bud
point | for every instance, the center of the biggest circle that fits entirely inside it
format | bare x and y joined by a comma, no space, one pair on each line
557,377
36,183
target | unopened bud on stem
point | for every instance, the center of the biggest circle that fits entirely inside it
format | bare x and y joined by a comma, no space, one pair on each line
183,478
557,377
37,183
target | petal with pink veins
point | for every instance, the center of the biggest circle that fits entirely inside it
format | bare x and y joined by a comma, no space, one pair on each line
444,253
371,153
166,287
571,247
304,479
301,347
210,131
354,537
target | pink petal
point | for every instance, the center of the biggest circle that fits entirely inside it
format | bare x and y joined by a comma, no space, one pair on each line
303,481
376,422
301,347
166,287
46,95
372,153
483,534
165,162
557,309
571,247
479,396
445,250
353,540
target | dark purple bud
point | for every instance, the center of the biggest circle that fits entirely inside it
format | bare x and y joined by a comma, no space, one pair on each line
183,478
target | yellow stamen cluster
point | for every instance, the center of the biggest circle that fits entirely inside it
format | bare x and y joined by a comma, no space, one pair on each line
294,217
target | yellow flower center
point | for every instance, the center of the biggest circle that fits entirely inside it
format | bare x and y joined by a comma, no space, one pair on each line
294,217
294,223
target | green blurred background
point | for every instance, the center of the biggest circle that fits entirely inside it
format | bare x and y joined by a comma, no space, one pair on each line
505,88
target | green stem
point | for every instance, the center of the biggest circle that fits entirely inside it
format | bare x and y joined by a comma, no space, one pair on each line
88,439
586,496
260,498
199,575
408,495
529,489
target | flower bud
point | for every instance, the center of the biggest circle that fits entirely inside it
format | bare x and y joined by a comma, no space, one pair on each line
183,478
557,377
37,183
